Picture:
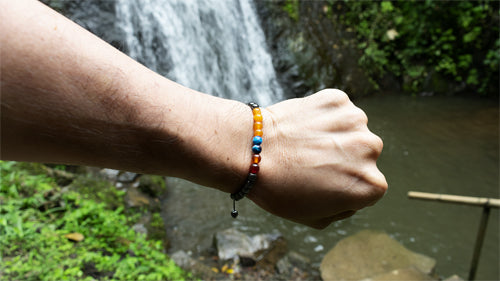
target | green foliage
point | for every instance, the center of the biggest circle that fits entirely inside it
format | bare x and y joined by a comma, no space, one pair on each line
35,216
412,39
292,8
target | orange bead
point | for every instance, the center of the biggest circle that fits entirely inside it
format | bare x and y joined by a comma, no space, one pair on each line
257,118
256,111
256,159
258,132
257,126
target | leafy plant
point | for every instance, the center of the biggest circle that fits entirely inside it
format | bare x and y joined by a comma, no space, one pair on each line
412,39
36,218
428,45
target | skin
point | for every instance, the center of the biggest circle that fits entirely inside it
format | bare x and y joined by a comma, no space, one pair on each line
68,97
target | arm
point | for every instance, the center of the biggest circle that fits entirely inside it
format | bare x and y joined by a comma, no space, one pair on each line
68,97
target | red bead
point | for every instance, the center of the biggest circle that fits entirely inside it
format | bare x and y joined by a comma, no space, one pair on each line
254,168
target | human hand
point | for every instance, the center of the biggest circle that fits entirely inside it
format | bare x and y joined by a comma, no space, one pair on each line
318,160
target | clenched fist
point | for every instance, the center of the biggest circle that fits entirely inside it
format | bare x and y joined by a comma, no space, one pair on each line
319,160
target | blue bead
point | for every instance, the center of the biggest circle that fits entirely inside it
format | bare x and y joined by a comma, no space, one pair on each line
256,149
257,140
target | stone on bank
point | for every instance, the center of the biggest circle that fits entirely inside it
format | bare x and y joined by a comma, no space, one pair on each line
263,250
373,255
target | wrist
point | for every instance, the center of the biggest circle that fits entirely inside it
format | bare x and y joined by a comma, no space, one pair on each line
207,140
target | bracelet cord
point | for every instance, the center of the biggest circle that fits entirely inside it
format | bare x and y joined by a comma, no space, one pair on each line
256,150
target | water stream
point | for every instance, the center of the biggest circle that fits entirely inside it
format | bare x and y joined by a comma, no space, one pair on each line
443,145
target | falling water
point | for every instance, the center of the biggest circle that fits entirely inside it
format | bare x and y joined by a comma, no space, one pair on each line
227,59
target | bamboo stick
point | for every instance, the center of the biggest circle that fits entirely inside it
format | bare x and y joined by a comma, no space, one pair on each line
466,200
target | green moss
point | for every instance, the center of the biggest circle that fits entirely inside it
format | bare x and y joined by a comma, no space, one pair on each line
35,216
292,8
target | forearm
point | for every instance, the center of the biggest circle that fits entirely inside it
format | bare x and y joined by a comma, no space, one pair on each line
69,97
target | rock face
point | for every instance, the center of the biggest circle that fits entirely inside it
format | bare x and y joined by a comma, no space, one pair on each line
312,52
263,250
372,255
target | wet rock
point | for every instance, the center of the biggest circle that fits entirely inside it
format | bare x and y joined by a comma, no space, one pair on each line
293,260
298,259
368,254
263,250
119,176
153,186
186,262
269,256
140,228
313,49
294,266
284,266
110,174
409,274
127,177
454,278
135,198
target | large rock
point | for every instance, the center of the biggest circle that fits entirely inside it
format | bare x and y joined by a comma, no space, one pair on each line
368,254
264,249
410,273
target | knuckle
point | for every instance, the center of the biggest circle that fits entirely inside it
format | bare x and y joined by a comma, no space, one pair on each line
376,144
358,117
374,184
333,97
362,117
365,145
378,182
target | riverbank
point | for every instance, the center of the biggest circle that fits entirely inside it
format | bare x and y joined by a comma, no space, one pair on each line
80,223
70,223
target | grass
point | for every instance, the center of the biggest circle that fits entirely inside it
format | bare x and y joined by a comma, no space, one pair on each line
36,214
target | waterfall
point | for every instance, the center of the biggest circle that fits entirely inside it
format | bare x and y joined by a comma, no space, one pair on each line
213,46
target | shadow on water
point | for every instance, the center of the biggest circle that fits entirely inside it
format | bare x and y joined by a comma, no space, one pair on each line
441,145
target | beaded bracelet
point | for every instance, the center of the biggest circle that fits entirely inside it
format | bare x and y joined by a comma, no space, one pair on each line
254,167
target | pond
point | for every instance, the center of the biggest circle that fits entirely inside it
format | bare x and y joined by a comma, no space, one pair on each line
431,144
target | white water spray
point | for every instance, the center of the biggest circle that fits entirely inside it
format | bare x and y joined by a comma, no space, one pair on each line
213,46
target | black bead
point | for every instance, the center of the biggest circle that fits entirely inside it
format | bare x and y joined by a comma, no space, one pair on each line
234,213
253,105
252,177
